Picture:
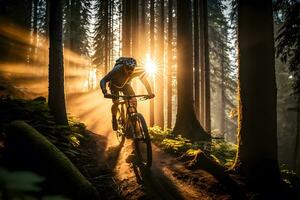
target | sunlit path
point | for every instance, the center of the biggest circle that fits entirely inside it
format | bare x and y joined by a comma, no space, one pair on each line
159,183
93,110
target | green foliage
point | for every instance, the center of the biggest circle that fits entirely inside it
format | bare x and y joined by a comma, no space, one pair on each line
37,114
287,37
289,176
19,181
176,145
221,151
77,15
23,140
224,151
21,185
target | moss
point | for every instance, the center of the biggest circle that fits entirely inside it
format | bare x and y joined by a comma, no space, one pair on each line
220,151
37,114
30,150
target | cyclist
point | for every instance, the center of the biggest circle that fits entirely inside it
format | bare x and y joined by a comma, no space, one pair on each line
119,79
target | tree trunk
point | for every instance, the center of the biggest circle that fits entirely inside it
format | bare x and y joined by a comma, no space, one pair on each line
35,34
170,63
152,42
142,36
135,28
106,36
126,28
222,102
186,120
196,58
207,121
56,95
46,53
257,133
74,23
297,146
202,64
160,75
110,34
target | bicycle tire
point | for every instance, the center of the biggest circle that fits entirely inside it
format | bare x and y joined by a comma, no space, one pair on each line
120,132
142,140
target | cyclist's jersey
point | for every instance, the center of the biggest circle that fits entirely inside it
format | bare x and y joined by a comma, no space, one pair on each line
118,78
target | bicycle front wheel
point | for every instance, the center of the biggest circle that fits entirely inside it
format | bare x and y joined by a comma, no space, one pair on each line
120,132
142,142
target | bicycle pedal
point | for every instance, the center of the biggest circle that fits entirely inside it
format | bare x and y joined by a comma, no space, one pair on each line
130,159
140,139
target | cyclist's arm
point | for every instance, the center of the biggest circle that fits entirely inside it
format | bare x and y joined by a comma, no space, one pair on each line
106,79
103,85
110,76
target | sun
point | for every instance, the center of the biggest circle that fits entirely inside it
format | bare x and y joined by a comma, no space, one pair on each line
150,66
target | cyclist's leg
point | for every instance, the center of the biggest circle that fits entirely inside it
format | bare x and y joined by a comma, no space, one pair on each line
114,107
128,90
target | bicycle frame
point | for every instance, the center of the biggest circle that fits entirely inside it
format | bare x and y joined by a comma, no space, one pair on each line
130,111
130,104
132,125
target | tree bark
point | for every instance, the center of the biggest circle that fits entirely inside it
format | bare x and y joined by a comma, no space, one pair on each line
106,36
297,146
35,33
257,126
202,65
207,121
160,75
56,97
222,102
196,58
170,63
126,28
186,120
152,42
135,28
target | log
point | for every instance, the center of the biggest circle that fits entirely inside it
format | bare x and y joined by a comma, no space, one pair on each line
27,149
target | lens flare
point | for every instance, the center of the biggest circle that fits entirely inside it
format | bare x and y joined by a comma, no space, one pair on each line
150,66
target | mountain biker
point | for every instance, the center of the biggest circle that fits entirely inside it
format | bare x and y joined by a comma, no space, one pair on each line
119,79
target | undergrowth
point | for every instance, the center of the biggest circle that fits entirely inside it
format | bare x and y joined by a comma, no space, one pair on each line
37,114
221,151
23,184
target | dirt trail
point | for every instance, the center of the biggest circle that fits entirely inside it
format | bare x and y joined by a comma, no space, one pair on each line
167,178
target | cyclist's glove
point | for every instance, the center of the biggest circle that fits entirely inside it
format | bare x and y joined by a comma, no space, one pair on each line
104,91
151,96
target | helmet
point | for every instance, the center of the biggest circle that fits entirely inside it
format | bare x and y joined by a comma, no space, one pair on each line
129,62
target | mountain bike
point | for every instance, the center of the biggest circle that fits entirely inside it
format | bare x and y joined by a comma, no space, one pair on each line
132,124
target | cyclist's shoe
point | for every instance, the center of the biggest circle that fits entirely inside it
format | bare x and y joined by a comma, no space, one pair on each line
128,134
114,124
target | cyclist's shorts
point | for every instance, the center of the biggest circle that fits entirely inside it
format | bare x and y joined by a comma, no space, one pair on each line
126,90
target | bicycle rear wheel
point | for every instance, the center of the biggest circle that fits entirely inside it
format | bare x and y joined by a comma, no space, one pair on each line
142,142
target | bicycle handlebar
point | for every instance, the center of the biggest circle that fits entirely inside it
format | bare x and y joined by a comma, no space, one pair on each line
127,97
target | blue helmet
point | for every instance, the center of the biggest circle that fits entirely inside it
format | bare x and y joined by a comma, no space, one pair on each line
129,62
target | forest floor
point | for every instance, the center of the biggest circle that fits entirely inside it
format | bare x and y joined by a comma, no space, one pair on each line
115,178
167,178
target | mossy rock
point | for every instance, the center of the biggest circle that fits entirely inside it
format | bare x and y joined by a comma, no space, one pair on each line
27,149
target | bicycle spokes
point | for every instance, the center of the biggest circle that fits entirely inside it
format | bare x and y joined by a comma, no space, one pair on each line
120,132
142,141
